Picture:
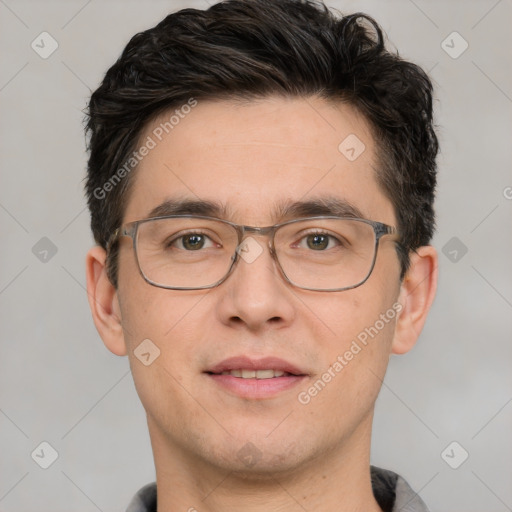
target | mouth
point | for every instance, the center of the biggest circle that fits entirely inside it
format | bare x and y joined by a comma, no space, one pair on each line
255,378
256,374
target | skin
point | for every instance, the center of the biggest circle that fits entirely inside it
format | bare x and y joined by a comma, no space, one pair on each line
309,457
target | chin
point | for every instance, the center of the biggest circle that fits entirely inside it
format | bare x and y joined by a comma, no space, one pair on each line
260,457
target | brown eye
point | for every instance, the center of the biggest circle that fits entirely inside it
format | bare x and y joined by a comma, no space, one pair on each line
318,242
193,242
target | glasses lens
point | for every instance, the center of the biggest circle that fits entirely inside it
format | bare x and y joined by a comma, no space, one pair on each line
185,252
326,254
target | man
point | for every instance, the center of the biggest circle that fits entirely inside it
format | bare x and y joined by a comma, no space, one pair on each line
261,184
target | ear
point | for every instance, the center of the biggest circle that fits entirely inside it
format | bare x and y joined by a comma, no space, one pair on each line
103,302
416,296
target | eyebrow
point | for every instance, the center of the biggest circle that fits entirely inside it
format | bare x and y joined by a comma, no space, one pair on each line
189,207
329,206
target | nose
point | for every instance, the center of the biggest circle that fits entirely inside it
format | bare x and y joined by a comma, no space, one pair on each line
255,295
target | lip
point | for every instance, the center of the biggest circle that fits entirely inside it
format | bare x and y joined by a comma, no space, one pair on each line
247,363
255,389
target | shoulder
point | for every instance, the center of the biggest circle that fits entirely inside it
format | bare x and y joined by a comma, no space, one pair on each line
393,493
144,500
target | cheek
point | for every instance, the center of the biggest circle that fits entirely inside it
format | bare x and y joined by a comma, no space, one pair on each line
345,390
354,347
361,314
162,338
159,330
170,322
149,312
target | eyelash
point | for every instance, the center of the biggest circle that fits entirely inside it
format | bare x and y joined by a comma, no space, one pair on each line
319,232
180,236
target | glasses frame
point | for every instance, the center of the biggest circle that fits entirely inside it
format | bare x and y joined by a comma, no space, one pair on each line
130,230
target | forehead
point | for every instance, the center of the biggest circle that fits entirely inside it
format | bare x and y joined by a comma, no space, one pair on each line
257,158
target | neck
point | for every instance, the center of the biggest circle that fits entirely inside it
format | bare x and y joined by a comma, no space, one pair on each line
337,480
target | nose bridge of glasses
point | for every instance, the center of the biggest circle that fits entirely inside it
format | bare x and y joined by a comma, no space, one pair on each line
265,231
250,250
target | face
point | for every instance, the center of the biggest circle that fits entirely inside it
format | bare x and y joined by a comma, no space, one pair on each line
254,160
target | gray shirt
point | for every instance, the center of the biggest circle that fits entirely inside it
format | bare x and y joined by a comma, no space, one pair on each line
391,491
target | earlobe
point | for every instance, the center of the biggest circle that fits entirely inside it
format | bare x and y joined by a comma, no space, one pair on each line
103,302
416,296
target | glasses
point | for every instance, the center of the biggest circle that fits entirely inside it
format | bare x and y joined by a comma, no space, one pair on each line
183,252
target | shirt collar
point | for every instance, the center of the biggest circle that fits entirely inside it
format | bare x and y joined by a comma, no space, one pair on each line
391,491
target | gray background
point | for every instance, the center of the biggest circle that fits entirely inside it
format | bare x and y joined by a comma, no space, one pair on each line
58,382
